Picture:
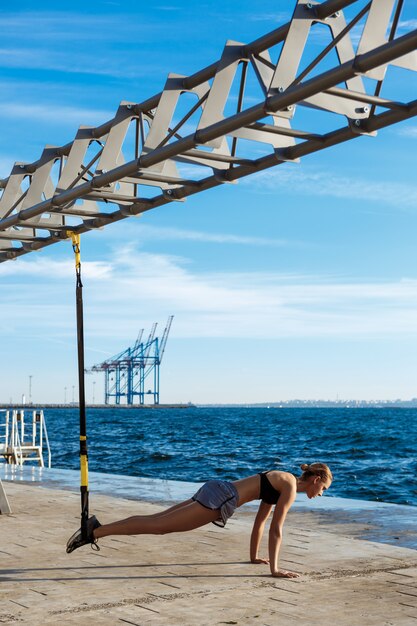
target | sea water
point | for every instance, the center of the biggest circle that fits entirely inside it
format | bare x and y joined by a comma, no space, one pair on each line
371,452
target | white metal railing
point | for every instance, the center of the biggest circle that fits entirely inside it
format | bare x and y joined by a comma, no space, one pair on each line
4,430
19,443
15,448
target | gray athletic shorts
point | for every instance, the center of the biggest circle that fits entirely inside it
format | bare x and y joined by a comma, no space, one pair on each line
218,494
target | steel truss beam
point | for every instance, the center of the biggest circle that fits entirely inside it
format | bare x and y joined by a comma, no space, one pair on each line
193,136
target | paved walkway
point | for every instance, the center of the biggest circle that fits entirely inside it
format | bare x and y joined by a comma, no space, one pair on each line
198,578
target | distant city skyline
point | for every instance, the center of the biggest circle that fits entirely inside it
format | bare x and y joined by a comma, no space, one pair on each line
297,282
294,402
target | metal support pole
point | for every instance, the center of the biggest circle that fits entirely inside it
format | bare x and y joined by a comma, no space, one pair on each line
106,387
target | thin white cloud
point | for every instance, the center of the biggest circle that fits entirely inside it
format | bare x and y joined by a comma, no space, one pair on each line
177,234
235,305
63,26
119,64
278,17
407,131
314,182
407,25
54,113
48,268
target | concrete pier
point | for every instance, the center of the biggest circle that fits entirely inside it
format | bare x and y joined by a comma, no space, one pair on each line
197,578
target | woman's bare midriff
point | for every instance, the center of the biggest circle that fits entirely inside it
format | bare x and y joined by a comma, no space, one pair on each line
248,488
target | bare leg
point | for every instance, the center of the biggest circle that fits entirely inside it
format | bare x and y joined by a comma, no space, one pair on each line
180,518
172,508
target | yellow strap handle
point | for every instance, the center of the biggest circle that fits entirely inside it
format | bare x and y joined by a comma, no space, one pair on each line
76,247
83,468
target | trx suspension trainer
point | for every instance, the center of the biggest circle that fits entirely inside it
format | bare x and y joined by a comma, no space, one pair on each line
81,387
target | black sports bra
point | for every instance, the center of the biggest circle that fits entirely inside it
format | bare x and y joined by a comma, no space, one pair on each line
267,493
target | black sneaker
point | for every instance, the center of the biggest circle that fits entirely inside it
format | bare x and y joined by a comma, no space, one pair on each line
76,540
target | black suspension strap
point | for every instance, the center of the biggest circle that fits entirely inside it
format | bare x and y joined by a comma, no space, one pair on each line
81,387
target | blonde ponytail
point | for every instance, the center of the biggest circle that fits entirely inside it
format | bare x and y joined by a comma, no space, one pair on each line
316,469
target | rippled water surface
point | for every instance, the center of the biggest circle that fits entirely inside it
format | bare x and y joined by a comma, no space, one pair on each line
372,452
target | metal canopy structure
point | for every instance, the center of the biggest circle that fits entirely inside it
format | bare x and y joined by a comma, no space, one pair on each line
200,131
125,374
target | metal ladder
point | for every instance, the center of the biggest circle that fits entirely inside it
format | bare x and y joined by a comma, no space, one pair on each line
4,438
20,443
4,431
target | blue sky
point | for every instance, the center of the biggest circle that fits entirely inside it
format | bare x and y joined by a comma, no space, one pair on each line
300,282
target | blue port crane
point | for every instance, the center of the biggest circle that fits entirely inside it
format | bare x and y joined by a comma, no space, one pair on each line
125,373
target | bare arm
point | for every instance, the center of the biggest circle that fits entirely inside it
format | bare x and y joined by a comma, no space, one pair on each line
276,531
257,531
